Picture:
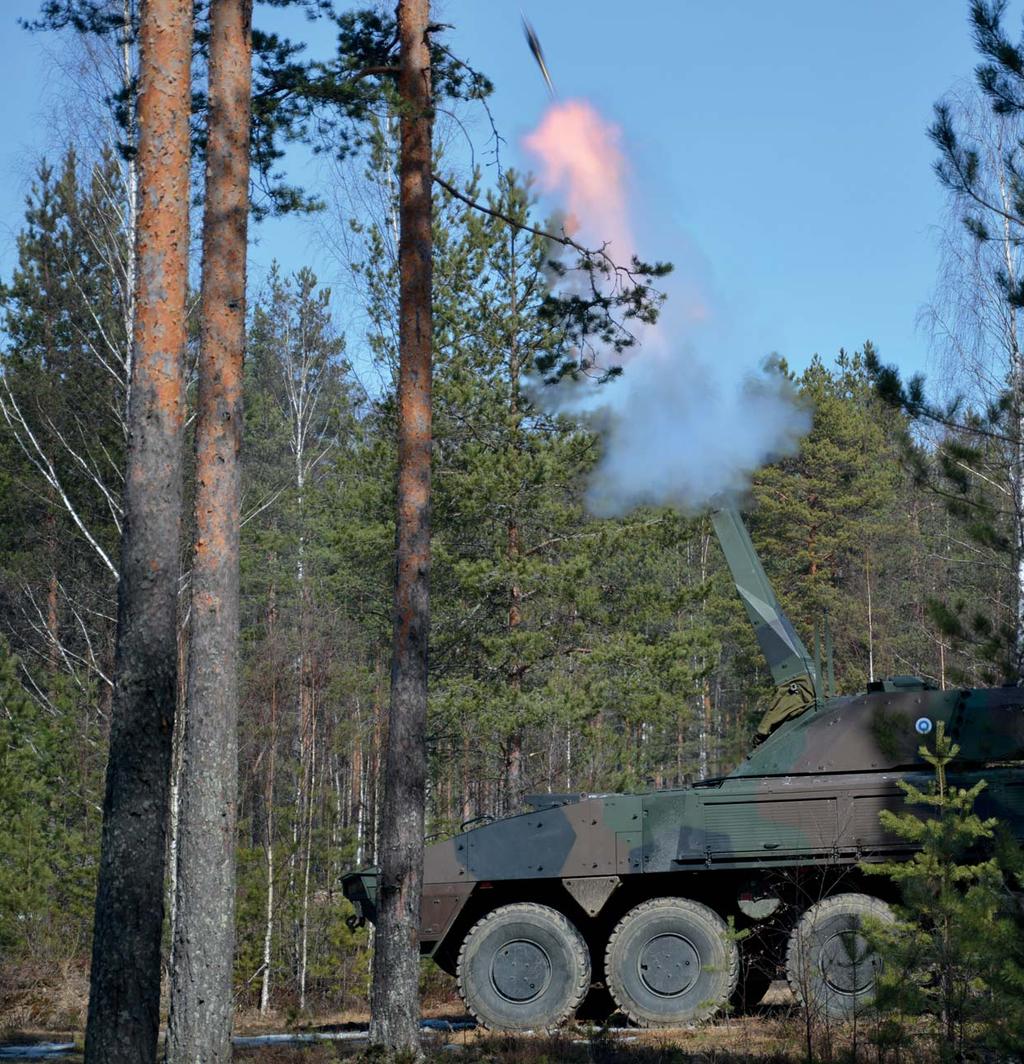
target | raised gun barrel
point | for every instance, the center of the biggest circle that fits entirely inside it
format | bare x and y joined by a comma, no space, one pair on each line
797,684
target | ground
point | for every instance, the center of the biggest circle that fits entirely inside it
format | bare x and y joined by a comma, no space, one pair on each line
773,1036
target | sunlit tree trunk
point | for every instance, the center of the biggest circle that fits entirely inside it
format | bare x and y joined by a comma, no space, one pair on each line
124,1000
200,1020
395,993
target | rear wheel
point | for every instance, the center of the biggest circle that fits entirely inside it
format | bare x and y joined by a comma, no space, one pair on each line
830,964
671,961
523,967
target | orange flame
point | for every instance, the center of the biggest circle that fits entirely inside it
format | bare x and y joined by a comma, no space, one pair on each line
582,157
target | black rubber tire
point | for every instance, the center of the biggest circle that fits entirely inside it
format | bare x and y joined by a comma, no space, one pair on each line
829,965
523,967
691,963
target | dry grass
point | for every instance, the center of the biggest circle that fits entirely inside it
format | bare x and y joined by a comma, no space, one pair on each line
43,996
752,1041
48,1004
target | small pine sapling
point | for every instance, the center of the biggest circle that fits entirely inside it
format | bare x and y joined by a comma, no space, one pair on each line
949,959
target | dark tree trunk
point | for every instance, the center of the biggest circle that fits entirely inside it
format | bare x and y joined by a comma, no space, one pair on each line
395,994
124,999
200,1020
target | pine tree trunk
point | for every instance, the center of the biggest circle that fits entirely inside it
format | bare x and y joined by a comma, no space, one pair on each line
467,798
129,90
871,618
200,1019
307,863
124,1000
395,994
514,763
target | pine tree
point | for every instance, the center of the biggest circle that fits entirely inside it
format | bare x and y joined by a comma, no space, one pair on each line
199,1025
824,516
124,1000
955,952
49,812
62,401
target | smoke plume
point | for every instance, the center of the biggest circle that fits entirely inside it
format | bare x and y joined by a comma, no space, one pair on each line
682,424
582,159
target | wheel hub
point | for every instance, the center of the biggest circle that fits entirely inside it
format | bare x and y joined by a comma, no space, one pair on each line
848,963
520,970
668,965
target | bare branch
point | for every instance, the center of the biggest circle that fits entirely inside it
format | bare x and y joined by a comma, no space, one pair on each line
34,452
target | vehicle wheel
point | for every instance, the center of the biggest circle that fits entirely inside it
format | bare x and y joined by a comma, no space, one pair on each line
756,975
523,967
829,963
671,961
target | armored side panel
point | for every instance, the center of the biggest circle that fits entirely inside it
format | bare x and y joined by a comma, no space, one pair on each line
787,821
597,838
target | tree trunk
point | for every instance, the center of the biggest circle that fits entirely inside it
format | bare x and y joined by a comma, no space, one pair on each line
871,618
307,861
52,603
200,1020
124,1000
395,994
514,760
177,756
268,801
268,927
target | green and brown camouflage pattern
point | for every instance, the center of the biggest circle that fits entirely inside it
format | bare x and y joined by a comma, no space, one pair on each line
804,802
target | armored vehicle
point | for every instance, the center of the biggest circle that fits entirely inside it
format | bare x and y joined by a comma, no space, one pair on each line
678,901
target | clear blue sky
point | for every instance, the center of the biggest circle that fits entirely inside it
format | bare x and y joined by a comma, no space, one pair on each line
778,150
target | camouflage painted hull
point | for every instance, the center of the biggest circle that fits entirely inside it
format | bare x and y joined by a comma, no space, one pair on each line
581,851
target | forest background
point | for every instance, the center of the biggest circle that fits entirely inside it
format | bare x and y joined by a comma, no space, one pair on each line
569,652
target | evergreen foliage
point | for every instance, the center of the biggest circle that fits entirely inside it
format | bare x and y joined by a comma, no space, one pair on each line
954,957
828,517
50,773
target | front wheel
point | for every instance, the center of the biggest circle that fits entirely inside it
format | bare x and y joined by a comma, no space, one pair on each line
831,966
671,961
523,967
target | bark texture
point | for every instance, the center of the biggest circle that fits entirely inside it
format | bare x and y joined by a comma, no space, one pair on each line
201,991
124,999
395,992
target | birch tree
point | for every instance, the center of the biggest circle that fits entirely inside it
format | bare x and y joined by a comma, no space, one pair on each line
62,395
977,436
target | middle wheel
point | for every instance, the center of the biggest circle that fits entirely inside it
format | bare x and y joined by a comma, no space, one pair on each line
671,961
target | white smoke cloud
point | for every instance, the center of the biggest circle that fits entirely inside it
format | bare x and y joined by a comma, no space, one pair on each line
684,423
677,431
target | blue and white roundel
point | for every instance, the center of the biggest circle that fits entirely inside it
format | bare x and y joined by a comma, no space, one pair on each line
923,726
